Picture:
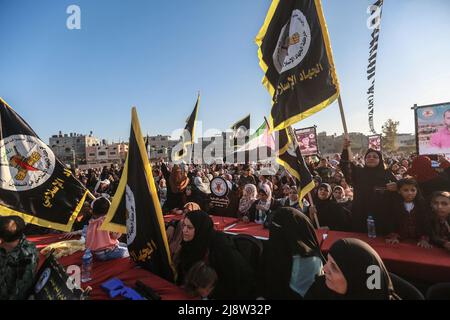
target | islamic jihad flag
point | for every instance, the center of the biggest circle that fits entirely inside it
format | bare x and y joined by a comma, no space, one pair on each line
34,184
135,209
295,55
290,157
189,131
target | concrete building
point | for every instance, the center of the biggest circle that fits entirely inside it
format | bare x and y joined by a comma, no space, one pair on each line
333,144
406,142
160,146
71,148
107,153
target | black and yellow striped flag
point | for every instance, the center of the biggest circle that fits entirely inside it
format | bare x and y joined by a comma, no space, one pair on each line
295,55
136,211
34,184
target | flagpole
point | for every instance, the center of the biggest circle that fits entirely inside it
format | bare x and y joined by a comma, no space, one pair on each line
341,109
344,125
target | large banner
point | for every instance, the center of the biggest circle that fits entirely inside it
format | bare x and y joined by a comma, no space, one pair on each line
34,184
307,141
375,142
433,129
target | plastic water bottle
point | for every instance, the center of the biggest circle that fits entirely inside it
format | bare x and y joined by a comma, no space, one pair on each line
258,219
371,227
83,233
86,267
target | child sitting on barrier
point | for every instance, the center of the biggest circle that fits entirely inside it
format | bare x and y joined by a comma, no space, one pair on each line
103,244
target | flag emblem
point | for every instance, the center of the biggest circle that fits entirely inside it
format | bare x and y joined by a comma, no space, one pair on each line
26,163
293,42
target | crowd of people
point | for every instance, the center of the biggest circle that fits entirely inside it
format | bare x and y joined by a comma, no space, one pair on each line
407,198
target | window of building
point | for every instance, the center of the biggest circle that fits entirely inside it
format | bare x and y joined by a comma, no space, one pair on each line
102,153
91,154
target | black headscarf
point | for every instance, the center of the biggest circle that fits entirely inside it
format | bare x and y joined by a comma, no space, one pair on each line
378,172
291,233
353,257
329,213
292,229
196,249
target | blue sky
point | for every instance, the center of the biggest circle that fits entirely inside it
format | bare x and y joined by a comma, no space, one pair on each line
156,55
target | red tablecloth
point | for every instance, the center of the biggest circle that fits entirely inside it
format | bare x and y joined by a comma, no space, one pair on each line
220,223
404,259
251,228
123,269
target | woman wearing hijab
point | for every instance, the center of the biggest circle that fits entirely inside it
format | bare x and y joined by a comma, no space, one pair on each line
329,213
292,256
343,201
247,200
202,243
174,230
177,183
277,187
200,191
263,206
292,200
354,271
373,186
429,180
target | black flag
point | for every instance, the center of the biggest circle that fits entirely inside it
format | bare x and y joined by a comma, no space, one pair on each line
290,157
240,131
135,210
34,184
189,132
295,55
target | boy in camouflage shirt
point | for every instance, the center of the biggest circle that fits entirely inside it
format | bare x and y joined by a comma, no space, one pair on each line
18,260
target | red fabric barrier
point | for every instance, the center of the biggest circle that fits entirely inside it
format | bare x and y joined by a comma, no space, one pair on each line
123,269
250,228
404,259
220,223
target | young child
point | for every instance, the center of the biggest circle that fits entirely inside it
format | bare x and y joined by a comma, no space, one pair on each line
200,280
440,222
103,244
408,216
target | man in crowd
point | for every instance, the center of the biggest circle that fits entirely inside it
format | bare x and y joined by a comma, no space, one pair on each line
246,177
18,260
